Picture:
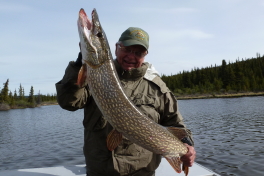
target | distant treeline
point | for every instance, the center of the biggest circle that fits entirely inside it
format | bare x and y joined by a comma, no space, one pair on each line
244,75
17,99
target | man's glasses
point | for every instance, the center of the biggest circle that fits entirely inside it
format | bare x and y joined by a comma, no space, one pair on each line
136,53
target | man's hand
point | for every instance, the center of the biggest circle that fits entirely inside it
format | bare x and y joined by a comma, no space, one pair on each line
189,157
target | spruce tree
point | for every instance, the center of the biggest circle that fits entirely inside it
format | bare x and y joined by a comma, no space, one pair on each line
11,99
20,92
23,93
15,95
31,98
39,99
4,93
224,74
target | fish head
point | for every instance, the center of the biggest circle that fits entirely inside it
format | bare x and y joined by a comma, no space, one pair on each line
93,42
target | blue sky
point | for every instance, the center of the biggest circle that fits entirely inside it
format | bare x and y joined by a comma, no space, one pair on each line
39,38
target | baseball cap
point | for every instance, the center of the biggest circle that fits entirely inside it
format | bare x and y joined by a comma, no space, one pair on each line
135,36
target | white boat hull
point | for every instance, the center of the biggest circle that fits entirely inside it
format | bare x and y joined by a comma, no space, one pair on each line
79,170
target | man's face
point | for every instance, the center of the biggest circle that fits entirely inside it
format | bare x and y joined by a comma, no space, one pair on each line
130,56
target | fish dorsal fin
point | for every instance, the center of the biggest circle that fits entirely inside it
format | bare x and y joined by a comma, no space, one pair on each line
114,138
178,132
175,162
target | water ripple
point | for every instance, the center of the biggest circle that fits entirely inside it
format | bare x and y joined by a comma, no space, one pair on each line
40,137
228,133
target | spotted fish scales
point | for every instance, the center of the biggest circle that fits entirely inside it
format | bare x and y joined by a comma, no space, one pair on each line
128,121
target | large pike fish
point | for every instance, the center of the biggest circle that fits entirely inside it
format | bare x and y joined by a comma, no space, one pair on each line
99,72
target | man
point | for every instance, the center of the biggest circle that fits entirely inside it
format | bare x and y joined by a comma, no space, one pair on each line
146,90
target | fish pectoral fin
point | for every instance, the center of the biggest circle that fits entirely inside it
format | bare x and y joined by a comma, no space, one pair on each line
175,162
82,76
178,132
114,138
185,169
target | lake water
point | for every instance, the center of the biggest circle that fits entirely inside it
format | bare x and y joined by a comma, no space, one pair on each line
228,135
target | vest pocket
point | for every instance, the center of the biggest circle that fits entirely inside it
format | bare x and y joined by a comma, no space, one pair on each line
147,106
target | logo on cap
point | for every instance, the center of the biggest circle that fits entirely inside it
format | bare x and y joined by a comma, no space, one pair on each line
138,33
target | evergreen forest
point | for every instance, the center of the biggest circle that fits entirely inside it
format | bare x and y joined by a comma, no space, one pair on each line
240,76
17,99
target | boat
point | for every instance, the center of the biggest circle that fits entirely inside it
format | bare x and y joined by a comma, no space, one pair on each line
79,170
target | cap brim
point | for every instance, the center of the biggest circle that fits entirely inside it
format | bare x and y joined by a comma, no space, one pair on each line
133,42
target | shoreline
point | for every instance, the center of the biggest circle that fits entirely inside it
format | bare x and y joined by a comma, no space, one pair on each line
219,95
6,107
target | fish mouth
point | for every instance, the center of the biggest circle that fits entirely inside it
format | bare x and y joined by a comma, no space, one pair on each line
92,38
85,28
86,22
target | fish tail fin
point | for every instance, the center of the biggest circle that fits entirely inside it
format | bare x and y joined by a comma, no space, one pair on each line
185,169
82,76
114,138
175,162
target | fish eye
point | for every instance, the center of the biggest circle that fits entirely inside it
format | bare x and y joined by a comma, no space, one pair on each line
99,34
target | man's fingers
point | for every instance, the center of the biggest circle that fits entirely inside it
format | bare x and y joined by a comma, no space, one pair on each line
190,156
